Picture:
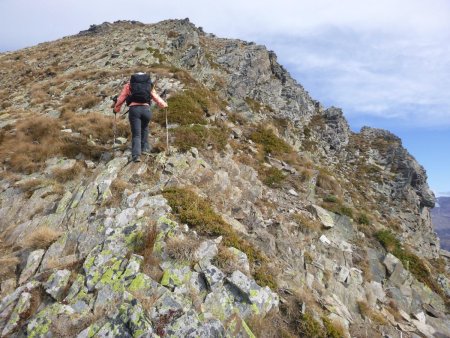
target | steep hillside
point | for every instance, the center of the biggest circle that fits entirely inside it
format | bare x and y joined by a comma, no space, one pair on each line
266,216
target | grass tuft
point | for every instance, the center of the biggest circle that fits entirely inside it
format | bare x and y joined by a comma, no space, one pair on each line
181,249
41,238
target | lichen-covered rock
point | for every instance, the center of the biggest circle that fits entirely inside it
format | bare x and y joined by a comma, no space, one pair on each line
176,275
57,283
206,251
33,261
213,276
241,259
262,300
40,325
23,305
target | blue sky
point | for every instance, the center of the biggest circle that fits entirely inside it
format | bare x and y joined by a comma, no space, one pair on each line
386,63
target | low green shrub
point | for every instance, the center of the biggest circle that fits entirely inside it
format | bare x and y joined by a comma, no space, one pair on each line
271,143
363,219
200,137
272,177
330,199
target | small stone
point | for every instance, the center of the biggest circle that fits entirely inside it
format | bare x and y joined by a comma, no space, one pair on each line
432,311
404,315
420,316
66,130
423,328
241,260
236,132
263,298
309,280
89,164
293,192
355,277
206,251
325,240
121,140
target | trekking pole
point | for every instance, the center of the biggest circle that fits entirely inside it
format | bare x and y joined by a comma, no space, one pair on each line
115,129
114,98
163,95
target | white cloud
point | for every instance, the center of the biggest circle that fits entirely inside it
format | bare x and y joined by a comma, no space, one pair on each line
378,58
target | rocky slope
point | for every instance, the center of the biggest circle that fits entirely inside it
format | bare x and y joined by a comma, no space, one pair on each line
266,216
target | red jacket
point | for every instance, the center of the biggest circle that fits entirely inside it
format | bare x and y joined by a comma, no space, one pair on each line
126,92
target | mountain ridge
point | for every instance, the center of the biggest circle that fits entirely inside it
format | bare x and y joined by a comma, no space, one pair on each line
315,204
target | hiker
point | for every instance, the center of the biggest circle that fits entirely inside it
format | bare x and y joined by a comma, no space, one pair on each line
138,93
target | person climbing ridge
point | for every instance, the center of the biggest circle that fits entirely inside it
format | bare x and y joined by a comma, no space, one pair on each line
138,94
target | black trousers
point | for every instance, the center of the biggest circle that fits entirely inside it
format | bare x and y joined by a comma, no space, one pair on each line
139,117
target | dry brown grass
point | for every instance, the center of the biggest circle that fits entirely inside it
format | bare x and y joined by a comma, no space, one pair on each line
41,238
31,185
117,188
33,141
181,249
306,225
97,125
327,182
151,262
367,312
64,175
226,261
270,326
8,264
8,258
26,148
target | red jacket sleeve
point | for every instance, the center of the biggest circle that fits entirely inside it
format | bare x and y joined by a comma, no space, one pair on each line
122,97
159,101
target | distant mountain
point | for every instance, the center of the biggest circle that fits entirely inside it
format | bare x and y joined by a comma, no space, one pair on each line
441,220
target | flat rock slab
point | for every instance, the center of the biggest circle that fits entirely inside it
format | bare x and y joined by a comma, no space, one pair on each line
33,261
325,216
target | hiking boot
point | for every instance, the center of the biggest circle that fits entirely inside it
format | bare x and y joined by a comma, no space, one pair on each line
147,151
136,159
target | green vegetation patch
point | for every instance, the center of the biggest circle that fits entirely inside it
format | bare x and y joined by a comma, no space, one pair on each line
190,107
272,177
200,137
199,214
271,143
